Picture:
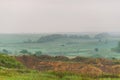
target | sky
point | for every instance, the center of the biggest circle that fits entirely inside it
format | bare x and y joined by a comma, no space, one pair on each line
46,16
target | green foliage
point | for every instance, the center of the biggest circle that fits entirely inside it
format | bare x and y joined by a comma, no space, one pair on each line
54,37
24,51
14,75
38,53
50,38
5,51
9,62
96,49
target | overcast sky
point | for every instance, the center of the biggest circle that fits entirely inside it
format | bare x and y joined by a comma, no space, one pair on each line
39,16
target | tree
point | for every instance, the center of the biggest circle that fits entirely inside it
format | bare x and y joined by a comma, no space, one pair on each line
96,49
38,53
102,36
5,51
24,51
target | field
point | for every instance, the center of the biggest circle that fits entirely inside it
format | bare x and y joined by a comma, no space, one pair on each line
71,47
45,76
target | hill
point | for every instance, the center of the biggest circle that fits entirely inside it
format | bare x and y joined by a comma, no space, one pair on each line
81,65
57,68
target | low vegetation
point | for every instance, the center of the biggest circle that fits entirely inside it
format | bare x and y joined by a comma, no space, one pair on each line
9,62
44,67
90,67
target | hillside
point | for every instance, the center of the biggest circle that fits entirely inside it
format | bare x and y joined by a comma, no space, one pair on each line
46,67
81,65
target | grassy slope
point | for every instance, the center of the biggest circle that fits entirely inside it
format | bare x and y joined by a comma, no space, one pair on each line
9,62
47,76
13,70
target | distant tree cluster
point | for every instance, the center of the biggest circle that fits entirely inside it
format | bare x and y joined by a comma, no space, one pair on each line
26,52
5,51
60,36
101,36
50,38
38,53
79,36
53,37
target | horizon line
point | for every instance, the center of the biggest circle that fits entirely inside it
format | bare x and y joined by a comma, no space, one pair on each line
54,32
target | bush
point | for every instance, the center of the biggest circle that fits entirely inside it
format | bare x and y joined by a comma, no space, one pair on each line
5,51
24,51
9,62
38,53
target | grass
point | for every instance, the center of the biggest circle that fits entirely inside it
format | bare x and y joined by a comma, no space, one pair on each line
9,62
10,69
47,76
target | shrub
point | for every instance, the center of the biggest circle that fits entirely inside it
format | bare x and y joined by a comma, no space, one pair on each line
9,62
38,53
